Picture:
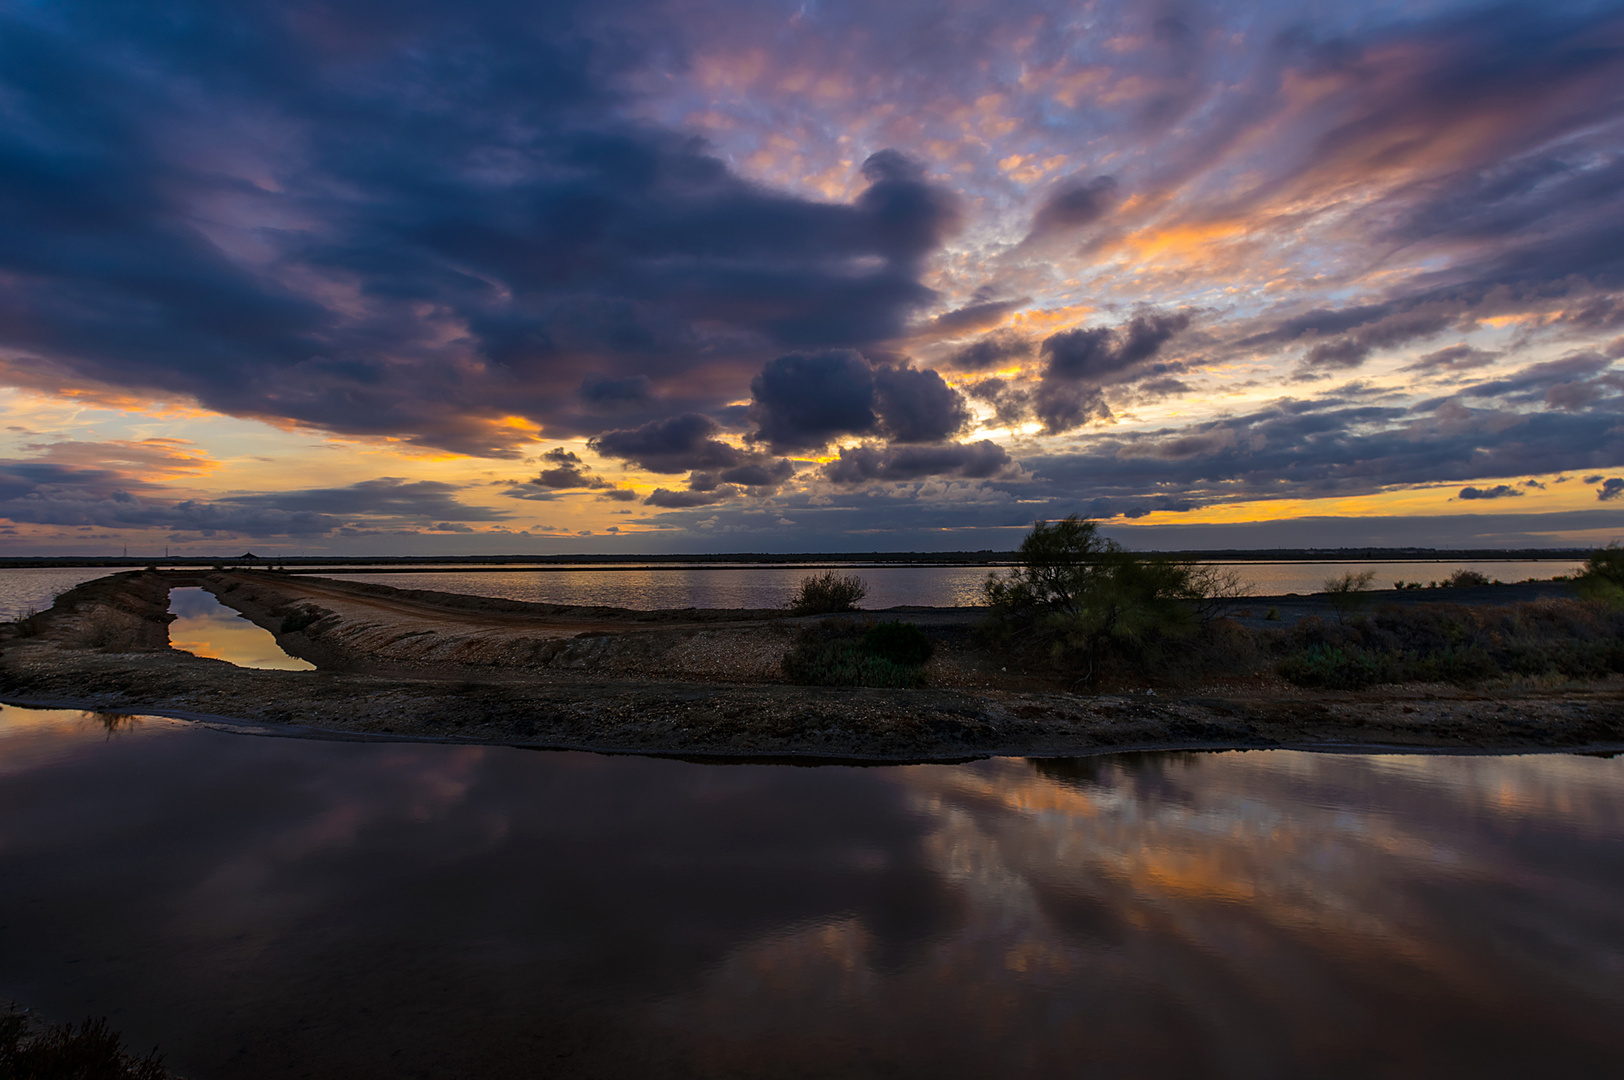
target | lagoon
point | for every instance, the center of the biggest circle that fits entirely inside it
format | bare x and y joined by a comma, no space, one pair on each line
277,906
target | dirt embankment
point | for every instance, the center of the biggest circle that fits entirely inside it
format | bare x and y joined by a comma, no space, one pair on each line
422,664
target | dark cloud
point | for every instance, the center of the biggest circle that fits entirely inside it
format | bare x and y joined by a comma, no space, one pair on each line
971,461
436,226
674,445
993,350
965,320
1332,446
1499,491
600,392
680,500
1452,358
566,470
1103,354
917,405
1610,489
1073,205
46,493
768,474
803,400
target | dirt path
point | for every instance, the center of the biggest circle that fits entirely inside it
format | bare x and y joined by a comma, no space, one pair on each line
434,665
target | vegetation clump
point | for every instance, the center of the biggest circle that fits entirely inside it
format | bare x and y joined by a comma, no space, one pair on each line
1603,575
1347,592
828,593
1454,643
90,1051
1466,579
889,654
1086,602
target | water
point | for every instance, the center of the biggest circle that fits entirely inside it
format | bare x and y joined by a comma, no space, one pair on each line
277,907
679,586
205,627
676,586
26,591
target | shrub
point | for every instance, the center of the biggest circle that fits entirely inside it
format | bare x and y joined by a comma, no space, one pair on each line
1346,592
828,592
299,620
1084,600
840,655
1603,575
898,642
1335,668
92,1051
1466,579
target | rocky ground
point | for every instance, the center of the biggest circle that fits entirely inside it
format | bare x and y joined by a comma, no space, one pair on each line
402,663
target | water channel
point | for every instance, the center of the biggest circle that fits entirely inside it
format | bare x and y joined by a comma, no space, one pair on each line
278,907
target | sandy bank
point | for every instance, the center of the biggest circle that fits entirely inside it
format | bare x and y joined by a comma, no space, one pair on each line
699,682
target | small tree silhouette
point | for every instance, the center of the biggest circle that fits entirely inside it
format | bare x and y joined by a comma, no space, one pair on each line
1348,592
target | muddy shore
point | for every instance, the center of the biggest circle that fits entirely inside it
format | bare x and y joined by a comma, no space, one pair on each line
707,683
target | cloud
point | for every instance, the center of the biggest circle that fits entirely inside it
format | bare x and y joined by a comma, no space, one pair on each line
804,400
973,461
419,235
1073,205
1610,489
47,493
993,350
673,445
566,472
664,497
1499,491
1103,354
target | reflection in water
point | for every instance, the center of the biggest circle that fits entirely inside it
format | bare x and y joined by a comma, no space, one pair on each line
267,907
205,627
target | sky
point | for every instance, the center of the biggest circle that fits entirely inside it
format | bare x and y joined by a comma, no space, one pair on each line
423,277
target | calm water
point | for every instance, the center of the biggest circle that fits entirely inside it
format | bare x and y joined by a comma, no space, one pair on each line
205,627
665,586
888,586
277,907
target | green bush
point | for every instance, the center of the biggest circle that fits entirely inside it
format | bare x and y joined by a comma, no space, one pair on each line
843,654
827,593
1603,576
1336,668
1084,600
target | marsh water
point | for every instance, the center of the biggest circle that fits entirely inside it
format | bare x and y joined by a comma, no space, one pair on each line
277,907
205,627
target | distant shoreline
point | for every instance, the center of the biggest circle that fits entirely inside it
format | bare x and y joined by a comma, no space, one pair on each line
808,560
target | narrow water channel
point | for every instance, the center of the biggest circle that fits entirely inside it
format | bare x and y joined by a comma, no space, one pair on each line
205,627
268,907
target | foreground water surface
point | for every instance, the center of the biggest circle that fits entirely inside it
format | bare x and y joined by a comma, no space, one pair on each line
272,907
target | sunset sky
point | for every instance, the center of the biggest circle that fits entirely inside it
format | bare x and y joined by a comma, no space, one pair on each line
434,277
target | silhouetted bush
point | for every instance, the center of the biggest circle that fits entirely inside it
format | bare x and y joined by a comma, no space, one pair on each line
1603,576
1086,603
1346,592
827,593
299,620
92,1051
1466,579
845,654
